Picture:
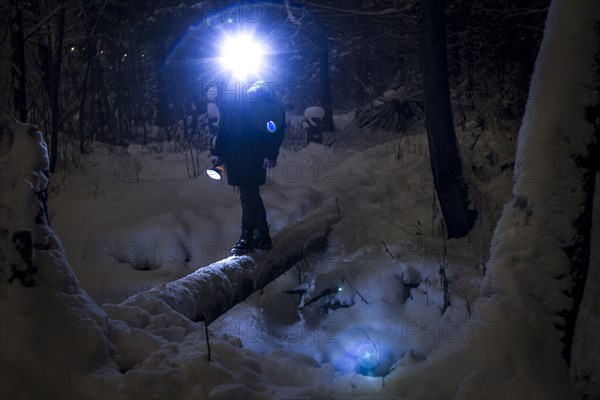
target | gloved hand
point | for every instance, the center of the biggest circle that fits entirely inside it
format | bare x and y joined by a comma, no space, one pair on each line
268,164
216,160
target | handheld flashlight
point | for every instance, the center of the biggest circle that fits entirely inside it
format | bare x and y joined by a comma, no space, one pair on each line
216,172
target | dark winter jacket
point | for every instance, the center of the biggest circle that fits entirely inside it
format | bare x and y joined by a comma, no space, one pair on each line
244,139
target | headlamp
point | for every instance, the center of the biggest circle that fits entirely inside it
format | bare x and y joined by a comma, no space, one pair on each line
242,55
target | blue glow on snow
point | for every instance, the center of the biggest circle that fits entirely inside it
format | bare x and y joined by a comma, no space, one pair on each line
366,355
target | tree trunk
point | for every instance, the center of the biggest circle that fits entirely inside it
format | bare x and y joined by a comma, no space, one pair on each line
579,252
325,87
90,55
543,240
211,291
443,147
17,58
55,62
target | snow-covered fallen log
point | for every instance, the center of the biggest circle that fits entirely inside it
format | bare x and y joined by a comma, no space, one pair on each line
210,291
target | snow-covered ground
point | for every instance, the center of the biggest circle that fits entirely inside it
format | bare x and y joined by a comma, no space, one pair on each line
131,219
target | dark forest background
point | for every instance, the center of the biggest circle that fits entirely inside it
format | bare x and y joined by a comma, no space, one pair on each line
133,71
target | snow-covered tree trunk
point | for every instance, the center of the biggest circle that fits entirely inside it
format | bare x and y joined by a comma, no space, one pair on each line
541,247
46,319
582,346
444,153
211,291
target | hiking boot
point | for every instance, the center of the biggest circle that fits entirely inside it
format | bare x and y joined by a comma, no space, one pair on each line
262,239
245,244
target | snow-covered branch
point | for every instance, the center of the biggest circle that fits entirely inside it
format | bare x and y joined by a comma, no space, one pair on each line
379,13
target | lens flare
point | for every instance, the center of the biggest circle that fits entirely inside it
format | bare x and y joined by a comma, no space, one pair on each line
242,55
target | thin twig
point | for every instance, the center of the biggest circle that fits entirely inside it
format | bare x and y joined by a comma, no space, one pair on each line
207,339
300,280
357,292
374,345
475,142
407,231
460,286
433,208
386,249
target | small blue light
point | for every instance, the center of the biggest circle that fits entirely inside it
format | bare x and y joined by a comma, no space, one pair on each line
367,356
271,127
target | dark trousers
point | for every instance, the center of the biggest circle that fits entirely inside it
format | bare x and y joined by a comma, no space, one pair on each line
254,214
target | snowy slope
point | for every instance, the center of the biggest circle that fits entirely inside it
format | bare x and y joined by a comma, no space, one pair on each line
386,316
53,335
